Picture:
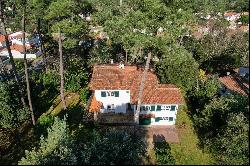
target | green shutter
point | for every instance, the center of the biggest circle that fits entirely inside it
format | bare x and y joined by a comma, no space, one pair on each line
103,94
158,108
172,108
157,119
144,121
152,108
116,93
171,118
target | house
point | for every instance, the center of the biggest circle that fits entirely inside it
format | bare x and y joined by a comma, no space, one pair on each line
115,89
16,47
234,83
231,16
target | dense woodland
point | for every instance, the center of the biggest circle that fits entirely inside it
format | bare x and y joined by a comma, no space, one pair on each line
33,130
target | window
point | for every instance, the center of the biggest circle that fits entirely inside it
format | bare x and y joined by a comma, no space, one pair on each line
116,93
157,119
147,108
143,108
171,119
172,108
103,94
111,107
165,118
152,108
158,108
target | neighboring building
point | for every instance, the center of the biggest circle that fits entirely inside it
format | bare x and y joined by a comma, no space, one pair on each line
116,87
234,83
16,47
231,16
244,72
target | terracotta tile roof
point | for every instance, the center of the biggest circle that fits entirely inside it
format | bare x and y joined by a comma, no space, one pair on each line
111,77
235,83
228,14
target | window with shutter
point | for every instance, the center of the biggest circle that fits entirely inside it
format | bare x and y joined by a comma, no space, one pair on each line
157,119
116,93
152,108
103,94
158,108
172,108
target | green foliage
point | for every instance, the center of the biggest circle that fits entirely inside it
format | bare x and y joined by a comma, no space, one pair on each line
244,19
163,154
57,148
84,95
204,92
46,120
115,147
100,54
12,115
76,75
231,146
178,67
221,52
51,79
64,15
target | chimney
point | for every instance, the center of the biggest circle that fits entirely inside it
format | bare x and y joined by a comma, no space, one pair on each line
228,73
111,61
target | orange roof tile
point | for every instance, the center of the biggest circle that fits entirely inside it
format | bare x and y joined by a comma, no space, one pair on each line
95,105
111,77
227,14
235,83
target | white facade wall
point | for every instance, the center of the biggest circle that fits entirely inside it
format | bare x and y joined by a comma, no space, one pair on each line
120,106
18,55
119,103
164,113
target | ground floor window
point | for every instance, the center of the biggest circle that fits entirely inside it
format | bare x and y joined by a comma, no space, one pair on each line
158,119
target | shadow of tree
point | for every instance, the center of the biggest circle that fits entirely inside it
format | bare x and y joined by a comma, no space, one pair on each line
162,151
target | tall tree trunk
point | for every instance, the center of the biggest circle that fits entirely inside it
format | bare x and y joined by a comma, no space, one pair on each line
20,88
144,77
61,70
27,73
126,54
41,47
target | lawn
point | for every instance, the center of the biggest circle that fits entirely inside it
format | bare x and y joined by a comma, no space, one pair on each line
187,151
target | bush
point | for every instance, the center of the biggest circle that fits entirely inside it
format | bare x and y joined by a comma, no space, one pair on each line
84,95
51,79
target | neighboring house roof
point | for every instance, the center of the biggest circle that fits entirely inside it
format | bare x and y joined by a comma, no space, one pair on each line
18,34
235,83
111,77
229,14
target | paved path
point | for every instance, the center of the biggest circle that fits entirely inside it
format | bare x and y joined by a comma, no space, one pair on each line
160,134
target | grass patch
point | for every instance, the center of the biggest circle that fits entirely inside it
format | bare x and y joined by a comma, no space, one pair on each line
187,151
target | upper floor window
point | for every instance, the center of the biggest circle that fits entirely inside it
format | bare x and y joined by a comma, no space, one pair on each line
109,93
172,108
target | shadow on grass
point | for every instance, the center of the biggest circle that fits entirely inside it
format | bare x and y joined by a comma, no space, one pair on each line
162,151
